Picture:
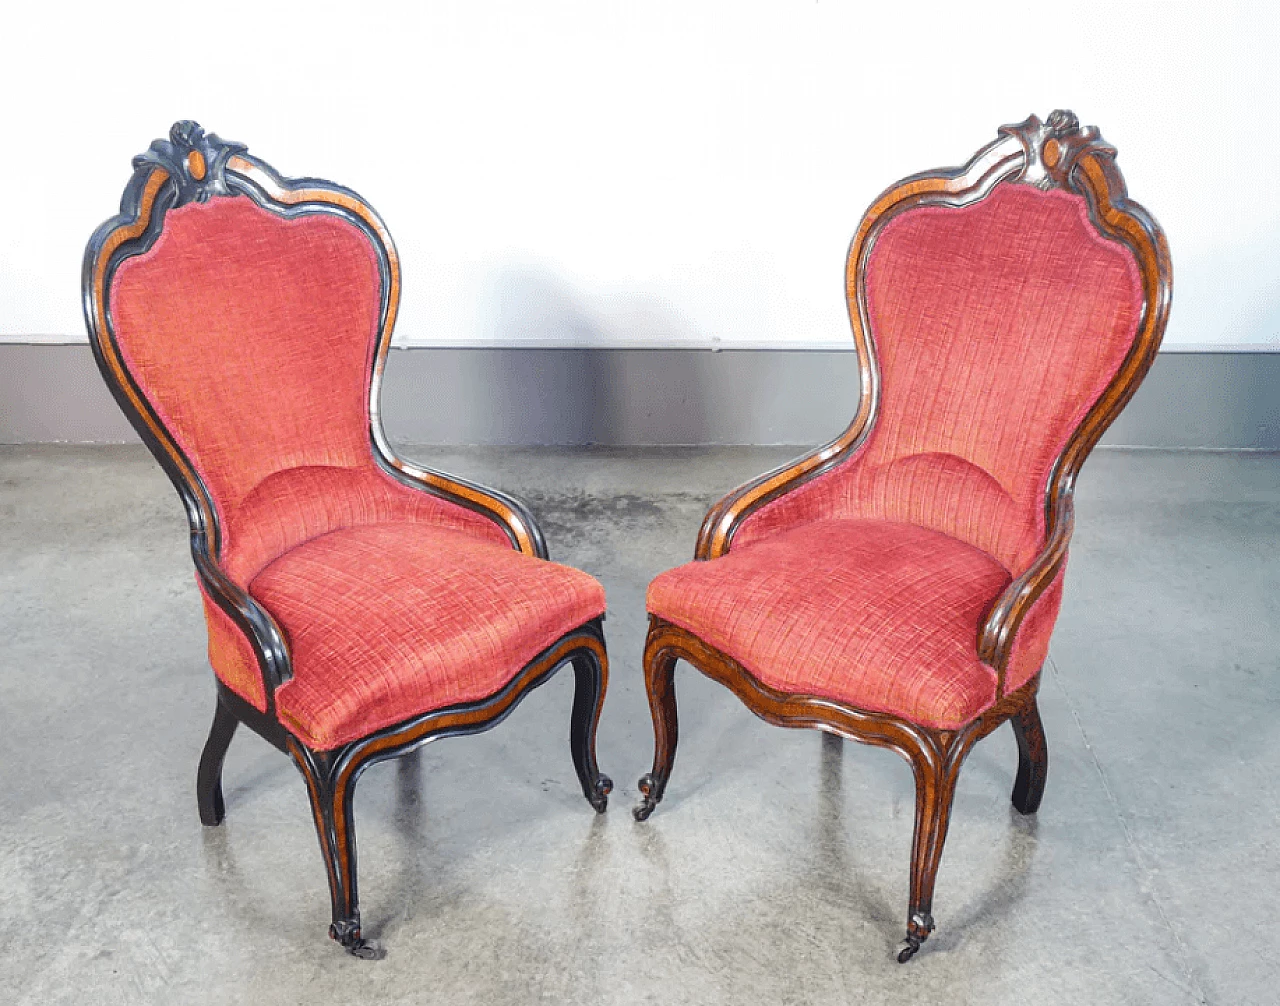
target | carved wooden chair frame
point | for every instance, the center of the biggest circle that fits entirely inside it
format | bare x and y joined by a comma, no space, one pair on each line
1057,153
192,165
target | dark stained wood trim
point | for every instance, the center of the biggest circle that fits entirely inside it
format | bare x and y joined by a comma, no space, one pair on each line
292,196
1033,760
331,775
265,725
163,179
1057,152
193,166
1083,163
949,186
149,193
935,755
1054,153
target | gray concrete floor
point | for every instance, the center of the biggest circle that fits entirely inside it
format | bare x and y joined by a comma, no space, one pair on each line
776,869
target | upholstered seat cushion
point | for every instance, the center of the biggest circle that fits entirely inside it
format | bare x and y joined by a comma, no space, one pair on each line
387,621
879,615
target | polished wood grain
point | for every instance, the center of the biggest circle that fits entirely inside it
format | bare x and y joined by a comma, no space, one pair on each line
935,756
1053,153
253,176
953,187
1083,163
331,775
1086,165
191,165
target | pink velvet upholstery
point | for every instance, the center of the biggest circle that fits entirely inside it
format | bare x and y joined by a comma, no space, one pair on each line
996,328
252,336
388,620
880,614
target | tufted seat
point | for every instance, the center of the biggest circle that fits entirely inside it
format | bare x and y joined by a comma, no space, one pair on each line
388,621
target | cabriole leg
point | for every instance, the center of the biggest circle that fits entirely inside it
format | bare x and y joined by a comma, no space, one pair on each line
1033,759
659,677
935,790
209,774
591,673
331,810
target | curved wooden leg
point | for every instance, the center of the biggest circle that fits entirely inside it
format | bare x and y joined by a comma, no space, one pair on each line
331,810
935,791
659,678
209,774
591,672
1033,759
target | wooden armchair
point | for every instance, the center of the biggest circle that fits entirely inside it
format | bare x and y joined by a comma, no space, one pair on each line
898,586
357,606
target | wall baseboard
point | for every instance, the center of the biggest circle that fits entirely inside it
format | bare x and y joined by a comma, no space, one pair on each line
630,397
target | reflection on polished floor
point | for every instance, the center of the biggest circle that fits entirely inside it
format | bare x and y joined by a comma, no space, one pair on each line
776,868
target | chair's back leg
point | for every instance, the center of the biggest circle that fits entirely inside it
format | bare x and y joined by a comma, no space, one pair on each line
209,774
591,674
1033,759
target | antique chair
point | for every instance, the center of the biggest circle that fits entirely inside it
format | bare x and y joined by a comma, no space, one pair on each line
358,606
898,586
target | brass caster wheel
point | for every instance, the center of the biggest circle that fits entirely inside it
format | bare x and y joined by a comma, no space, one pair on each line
599,797
347,934
650,793
919,926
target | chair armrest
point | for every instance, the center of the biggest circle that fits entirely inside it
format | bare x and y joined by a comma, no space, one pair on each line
249,616
722,520
508,512
999,629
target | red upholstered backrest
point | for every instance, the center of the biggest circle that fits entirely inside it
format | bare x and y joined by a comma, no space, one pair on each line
252,336
997,325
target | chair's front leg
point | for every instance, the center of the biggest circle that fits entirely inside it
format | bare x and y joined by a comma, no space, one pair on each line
659,677
936,776
330,785
591,674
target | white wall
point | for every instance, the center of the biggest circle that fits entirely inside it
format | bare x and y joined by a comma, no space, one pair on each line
639,173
